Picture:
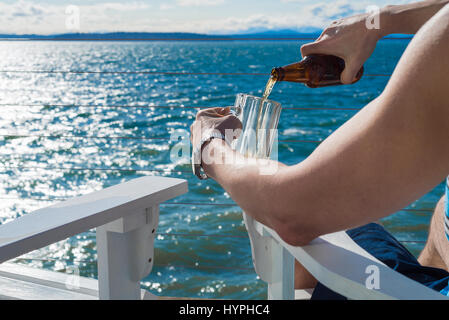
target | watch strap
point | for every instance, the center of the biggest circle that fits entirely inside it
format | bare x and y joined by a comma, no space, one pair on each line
197,153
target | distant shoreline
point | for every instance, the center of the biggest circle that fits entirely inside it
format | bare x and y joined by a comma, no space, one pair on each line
168,40
285,35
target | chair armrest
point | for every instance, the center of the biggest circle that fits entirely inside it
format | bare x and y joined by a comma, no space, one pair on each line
341,265
60,221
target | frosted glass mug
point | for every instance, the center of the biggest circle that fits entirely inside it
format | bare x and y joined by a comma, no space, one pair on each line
259,119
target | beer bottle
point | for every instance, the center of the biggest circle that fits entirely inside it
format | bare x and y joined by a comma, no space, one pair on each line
314,71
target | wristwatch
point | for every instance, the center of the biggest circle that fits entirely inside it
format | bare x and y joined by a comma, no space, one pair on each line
196,154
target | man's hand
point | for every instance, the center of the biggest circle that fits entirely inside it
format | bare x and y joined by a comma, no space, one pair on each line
349,39
220,119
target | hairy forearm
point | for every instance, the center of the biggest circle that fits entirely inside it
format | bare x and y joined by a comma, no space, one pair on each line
408,18
388,155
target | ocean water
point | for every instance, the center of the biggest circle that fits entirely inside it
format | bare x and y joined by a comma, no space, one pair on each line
66,134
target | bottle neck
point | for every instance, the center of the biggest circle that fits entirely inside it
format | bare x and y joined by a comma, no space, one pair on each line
293,73
278,74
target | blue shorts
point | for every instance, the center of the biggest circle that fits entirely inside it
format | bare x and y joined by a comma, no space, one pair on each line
382,245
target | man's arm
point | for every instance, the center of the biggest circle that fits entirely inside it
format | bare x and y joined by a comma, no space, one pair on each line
409,18
350,38
389,154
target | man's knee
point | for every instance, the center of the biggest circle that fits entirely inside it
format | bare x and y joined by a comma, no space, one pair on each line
437,235
440,205
431,255
439,211
436,225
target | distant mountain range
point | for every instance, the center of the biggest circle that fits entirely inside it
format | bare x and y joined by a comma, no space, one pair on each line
148,36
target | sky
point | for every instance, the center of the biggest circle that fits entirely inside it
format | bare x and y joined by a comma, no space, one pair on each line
199,16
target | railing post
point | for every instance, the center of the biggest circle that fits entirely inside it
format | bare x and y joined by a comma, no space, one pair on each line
272,262
125,249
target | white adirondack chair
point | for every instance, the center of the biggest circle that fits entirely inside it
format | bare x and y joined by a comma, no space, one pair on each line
126,217
335,260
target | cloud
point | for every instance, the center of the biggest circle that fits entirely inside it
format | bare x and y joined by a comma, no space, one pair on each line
24,9
317,15
28,16
197,3
25,17
116,6
165,6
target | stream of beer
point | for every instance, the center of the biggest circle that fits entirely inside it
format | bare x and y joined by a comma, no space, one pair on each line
268,88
